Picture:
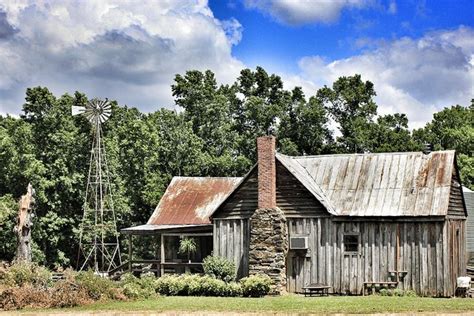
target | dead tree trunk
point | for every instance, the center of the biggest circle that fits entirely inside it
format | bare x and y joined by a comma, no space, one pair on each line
24,225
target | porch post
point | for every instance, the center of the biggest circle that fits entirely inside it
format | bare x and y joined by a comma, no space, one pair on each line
162,255
130,252
156,243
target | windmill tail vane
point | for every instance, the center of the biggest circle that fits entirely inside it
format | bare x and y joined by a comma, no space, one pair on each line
99,247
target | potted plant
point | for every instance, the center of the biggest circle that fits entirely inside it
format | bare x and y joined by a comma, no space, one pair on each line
187,246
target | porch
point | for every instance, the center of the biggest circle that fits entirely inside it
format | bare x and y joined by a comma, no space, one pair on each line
165,241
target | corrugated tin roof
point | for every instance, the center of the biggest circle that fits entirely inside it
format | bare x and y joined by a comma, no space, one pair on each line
388,184
144,229
191,200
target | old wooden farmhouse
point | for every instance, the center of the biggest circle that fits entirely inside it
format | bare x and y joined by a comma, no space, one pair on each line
349,221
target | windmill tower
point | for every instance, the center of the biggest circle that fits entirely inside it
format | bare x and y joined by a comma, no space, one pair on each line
98,240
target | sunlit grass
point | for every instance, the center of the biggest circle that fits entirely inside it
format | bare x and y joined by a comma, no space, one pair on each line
287,304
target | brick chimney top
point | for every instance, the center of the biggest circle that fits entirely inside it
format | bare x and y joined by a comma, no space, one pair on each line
266,172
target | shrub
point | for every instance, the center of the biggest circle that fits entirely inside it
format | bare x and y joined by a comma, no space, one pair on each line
67,294
17,297
233,289
212,287
385,292
143,287
410,293
196,285
22,273
171,285
96,287
219,268
397,292
256,285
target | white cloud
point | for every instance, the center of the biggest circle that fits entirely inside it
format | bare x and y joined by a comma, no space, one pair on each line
114,49
392,7
304,11
413,76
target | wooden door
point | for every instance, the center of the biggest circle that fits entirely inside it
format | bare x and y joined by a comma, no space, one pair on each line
351,265
351,271
298,267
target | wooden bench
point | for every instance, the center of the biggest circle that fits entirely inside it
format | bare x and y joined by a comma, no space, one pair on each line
380,284
316,288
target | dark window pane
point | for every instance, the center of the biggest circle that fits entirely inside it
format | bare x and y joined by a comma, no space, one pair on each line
351,243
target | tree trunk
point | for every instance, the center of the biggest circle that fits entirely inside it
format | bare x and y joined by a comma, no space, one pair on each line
24,225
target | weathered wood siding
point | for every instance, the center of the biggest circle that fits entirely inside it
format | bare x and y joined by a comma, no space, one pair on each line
231,240
431,249
456,250
469,198
231,228
456,204
243,201
293,198
423,253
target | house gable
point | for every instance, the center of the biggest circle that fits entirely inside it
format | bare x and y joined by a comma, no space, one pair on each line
292,197
456,206
243,201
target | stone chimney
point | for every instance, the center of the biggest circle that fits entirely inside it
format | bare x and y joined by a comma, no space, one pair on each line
268,229
266,172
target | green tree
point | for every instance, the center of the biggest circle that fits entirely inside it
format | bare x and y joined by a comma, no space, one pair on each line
304,127
351,104
391,134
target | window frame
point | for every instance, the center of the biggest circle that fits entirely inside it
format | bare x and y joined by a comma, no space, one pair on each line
345,242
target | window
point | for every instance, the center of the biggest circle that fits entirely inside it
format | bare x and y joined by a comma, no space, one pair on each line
351,242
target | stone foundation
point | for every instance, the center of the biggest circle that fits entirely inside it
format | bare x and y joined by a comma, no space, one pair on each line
269,246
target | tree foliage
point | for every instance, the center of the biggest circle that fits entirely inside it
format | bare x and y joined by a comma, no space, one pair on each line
213,134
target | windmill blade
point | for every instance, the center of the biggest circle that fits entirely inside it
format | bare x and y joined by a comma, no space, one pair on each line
104,117
76,110
94,111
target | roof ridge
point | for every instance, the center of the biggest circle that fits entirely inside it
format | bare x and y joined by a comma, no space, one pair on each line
368,154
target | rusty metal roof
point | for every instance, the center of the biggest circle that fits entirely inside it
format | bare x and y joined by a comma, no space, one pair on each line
191,200
153,229
387,184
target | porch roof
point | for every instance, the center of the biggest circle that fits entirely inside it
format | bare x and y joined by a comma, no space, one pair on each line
191,200
150,229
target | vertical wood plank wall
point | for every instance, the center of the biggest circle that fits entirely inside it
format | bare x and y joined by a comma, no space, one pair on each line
430,251
231,240
423,253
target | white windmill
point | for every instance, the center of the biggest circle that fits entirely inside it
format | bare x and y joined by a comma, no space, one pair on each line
98,239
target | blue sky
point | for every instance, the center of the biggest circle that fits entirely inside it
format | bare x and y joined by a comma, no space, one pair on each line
265,40
419,54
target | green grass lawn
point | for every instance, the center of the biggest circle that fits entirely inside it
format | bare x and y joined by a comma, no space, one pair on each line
286,304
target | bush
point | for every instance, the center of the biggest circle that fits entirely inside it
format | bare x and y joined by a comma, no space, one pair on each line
196,285
410,293
17,297
23,273
97,288
219,268
143,287
385,292
67,294
397,292
256,285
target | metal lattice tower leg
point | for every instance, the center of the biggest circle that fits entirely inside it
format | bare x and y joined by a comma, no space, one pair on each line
99,247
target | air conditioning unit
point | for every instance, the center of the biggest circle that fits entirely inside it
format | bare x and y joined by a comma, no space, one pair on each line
299,242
